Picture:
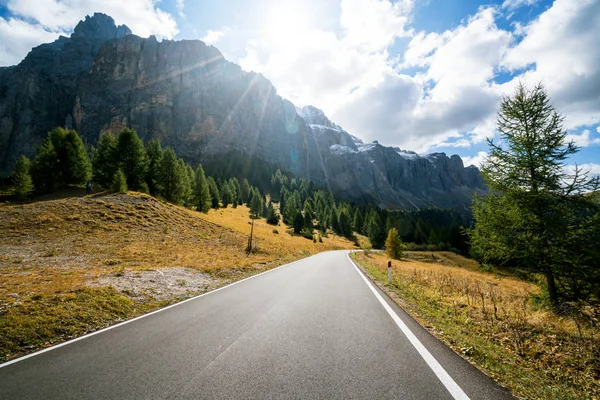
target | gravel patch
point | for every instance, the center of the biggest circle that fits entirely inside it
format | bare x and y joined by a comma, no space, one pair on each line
160,284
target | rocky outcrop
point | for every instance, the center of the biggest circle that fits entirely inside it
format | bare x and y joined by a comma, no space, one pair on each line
187,95
38,94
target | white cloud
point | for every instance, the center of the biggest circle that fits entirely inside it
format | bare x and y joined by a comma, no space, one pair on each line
475,160
179,5
590,168
313,65
40,21
583,139
18,37
562,45
453,96
514,4
212,37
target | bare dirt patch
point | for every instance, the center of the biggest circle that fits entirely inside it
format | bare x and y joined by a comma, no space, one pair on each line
160,284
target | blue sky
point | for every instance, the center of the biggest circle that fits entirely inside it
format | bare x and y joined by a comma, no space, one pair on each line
425,75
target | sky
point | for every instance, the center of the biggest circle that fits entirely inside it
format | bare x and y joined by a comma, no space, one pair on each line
424,75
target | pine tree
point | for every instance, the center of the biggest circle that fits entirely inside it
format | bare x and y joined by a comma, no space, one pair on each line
131,157
272,216
119,184
226,195
290,210
245,191
154,154
77,167
22,179
534,204
215,196
256,204
61,160
44,168
298,223
344,222
357,222
104,160
171,177
236,190
393,244
308,221
373,228
202,197
189,180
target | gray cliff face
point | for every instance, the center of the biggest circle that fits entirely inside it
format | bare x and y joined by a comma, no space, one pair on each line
187,95
38,94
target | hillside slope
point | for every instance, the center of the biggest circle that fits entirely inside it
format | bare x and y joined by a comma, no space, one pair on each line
72,265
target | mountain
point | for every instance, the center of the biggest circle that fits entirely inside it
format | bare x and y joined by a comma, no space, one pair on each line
103,78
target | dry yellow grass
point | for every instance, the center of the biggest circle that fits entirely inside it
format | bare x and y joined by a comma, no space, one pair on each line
54,252
496,323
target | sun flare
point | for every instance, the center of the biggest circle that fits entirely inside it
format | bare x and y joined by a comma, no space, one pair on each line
287,22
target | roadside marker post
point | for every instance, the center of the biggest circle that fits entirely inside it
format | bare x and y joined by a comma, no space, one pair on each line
389,272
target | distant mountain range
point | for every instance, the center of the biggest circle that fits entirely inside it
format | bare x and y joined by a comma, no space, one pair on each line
104,78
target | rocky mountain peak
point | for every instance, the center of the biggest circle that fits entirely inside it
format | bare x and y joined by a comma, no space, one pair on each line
99,26
314,116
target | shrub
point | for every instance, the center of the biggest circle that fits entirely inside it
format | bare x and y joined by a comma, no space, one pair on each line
307,233
393,244
119,182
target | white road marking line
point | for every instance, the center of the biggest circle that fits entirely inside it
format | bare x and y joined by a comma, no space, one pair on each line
37,353
435,366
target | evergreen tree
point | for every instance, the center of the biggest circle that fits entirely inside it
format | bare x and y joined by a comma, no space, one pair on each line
245,192
189,179
131,157
215,196
433,238
226,195
290,210
373,229
334,220
44,168
104,160
256,204
298,223
393,244
202,197
307,221
235,186
534,204
357,222
344,222
61,160
308,208
22,179
272,216
154,154
119,184
172,177
76,167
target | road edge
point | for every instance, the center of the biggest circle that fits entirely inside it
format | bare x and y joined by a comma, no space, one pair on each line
87,335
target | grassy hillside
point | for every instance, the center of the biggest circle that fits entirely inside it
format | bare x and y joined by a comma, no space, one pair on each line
498,322
72,265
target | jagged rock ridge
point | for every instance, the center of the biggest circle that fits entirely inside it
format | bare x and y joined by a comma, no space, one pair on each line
103,78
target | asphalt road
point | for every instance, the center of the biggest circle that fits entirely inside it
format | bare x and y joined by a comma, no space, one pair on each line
313,329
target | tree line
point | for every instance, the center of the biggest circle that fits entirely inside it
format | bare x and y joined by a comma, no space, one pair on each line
125,163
